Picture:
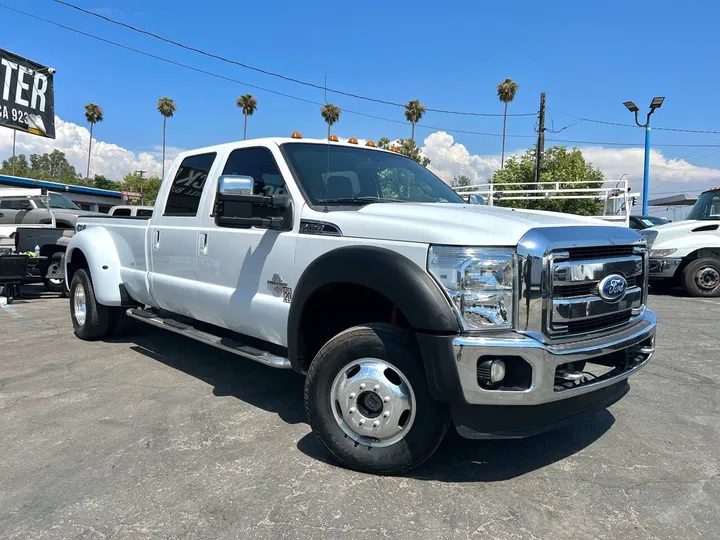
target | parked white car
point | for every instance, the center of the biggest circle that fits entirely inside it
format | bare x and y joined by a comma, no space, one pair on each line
687,252
405,306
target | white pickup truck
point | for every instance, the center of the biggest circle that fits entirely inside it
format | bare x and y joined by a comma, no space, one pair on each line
405,307
687,252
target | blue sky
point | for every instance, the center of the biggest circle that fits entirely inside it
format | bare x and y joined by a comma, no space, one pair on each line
588,58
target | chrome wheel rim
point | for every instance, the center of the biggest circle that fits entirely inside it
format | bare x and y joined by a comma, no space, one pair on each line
52,269
707,278
79,304
373,402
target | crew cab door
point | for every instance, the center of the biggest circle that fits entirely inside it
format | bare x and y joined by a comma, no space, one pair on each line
173,234
246,275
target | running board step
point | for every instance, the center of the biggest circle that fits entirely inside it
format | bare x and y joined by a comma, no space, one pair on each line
230,345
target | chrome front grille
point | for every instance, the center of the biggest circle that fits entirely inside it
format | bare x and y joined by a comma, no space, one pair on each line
583,269
560,273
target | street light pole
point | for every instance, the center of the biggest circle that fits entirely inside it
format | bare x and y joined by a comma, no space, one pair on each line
656,103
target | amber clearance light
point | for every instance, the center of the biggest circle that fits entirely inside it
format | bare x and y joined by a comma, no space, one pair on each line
333,138
352,140
371,143
296,135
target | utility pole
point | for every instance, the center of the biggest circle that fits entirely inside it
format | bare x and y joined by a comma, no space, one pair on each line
13,166
541,138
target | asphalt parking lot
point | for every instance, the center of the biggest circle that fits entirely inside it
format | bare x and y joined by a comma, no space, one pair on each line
156,436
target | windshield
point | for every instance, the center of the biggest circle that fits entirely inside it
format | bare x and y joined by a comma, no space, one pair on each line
339,175
707,206
59,201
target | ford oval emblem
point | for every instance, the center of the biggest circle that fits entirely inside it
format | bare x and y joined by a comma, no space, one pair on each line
612,288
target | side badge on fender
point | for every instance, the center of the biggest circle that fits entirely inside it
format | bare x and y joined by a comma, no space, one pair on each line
278,286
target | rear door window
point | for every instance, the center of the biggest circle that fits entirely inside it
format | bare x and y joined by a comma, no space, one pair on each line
187,187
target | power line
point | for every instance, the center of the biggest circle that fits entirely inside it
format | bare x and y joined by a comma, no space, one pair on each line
680,130
268,72
297,98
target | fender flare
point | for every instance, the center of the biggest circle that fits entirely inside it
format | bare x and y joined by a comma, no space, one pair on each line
97,246
396,277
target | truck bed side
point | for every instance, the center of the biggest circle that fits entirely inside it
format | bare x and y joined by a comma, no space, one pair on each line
115,252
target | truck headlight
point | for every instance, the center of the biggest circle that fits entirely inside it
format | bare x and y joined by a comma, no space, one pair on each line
662,252
479,281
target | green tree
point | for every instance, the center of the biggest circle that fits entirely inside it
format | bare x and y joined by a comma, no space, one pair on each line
331,114
166,107
560,165
384,143
149,187
414,111
54,167
461,181
16,166
408,148
100,182
506,91
93,114
248,104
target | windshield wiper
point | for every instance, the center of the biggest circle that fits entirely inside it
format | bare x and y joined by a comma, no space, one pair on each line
355,200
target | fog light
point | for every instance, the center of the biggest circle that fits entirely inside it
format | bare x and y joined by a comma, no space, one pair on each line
490,372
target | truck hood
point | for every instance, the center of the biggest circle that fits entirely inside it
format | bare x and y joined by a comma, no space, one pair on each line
439,223
686,234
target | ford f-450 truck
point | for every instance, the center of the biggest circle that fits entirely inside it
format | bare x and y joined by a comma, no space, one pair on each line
406,308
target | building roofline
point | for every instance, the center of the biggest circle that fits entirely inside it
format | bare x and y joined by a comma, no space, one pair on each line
56,186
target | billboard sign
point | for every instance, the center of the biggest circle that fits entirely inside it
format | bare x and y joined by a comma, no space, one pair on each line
131,197
27,100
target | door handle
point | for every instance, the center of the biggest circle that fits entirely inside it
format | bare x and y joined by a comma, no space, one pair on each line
156,240
203,243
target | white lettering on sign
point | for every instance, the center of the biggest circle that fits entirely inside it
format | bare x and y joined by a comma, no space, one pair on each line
22,85
38,92
9,68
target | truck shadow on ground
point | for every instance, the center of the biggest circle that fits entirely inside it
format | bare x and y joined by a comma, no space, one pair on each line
463,460
274,390
281,392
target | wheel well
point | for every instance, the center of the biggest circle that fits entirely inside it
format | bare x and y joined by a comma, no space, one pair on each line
337,307
76,262
701,253
48,250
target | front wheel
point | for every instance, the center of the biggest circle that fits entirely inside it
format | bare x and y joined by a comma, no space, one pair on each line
368,402
702,277
90,319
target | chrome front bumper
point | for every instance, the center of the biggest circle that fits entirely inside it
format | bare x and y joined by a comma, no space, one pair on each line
663,268
544,360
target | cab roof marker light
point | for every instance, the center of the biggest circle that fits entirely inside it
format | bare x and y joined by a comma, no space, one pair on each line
333,138
352,140
296,135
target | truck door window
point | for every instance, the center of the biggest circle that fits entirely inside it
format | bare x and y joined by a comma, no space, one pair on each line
186,190
260,164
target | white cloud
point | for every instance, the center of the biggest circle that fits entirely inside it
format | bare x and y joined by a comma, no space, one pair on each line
108,159
449,159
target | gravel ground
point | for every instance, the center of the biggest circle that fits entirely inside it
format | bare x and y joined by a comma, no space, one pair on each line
157,436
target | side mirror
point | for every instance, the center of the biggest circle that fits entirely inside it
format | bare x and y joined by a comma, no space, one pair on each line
475,199
235,185
237,206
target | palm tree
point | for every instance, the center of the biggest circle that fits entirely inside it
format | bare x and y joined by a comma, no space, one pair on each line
506,91
248,104
331,114
166,107
93,114
414,111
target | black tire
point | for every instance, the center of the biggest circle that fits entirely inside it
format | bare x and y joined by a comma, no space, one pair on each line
54,285
705,271
394,346
97,316
120,324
